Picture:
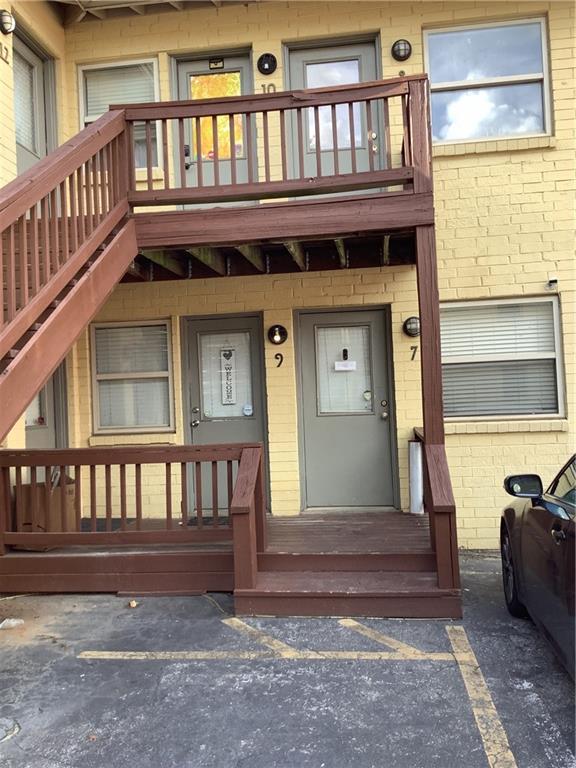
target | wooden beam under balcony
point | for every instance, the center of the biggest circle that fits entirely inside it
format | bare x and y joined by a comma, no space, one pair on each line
296,251
253,255
166,261
283,222
211,258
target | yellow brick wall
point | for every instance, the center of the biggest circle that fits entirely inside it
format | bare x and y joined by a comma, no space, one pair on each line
504,215
276,297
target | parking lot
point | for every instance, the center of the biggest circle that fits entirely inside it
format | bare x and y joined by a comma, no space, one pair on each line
177,682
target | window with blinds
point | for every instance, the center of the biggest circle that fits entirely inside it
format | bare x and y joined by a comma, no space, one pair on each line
131,366
122,84
500,358
24,98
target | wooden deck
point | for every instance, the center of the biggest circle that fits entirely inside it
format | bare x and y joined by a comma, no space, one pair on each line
349,532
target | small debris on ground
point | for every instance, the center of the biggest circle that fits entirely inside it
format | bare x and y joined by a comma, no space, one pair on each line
11,623
133,604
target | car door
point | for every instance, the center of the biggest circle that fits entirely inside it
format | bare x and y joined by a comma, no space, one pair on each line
547,543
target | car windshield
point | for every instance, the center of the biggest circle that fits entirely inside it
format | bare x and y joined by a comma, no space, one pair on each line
564,486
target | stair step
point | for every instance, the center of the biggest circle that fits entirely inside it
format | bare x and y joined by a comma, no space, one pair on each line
346,561
391,594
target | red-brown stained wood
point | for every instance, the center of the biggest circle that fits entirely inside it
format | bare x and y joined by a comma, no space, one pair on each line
199,163
138,494
278,222
40,357
216,151
198,492
215,519
168,490
149,161
78,497
335,140
123,497
266,138
307,186
352,137
270,102
184,486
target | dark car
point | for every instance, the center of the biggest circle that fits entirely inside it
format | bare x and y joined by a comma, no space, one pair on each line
537,546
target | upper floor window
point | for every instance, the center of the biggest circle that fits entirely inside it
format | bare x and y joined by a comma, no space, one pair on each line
501,358
123,83
488,81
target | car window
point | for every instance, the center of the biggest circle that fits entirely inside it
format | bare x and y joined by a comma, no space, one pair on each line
564,486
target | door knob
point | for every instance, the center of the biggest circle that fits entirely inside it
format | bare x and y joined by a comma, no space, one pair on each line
384,415
196,423
195,409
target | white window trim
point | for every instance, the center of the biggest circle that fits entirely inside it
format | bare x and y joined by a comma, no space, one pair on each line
85,118
553,300
97,429
543,77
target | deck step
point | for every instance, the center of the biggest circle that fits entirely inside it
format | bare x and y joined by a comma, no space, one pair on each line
347,561
385,594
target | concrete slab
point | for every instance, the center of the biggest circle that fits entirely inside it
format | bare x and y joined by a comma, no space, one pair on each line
243,705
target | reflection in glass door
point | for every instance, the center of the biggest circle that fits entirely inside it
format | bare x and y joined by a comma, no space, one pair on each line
331,67
220,139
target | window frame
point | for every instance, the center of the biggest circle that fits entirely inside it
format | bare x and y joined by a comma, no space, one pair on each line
461,85
96,378
86,119
557,356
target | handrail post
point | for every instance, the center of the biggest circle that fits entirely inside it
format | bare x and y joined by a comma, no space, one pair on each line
4,506
261,522
243,512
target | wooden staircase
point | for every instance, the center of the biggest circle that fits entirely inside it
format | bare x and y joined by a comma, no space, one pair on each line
348,564
65,242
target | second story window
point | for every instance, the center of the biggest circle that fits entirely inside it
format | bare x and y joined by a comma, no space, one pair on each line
488,81
130,83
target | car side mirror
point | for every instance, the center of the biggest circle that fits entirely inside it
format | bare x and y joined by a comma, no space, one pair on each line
523,486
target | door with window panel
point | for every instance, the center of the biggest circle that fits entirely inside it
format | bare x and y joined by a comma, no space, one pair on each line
225,391
346,410
29,106
210,147
329,67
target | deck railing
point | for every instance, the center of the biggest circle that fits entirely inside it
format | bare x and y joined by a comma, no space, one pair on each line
296,143
441,508
129,495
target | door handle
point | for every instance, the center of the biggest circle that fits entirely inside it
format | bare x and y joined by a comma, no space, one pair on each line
558,535
195,423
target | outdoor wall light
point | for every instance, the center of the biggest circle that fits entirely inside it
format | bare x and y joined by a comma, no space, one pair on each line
267,64
401,50
411,326
7,22
277,334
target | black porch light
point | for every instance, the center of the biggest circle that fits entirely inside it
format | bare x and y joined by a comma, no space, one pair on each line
7,22
277,334
411,326
401,50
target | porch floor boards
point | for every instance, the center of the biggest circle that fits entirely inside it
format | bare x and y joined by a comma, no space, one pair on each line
349,532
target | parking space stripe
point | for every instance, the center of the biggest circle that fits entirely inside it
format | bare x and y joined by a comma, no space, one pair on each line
492,731
281,649
407,651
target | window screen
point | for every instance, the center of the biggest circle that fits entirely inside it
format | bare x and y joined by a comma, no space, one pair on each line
499,359
132,372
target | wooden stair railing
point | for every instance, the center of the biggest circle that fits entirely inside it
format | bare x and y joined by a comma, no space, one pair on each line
64,244
441,508
248,518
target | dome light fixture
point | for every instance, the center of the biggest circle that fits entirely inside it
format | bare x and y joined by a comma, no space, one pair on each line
411,327
401,50
277,334
7,22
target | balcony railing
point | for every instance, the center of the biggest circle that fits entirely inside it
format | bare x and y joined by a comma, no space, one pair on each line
372,136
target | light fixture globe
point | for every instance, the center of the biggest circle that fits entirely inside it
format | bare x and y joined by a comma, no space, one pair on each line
7,22
401,50
411,327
